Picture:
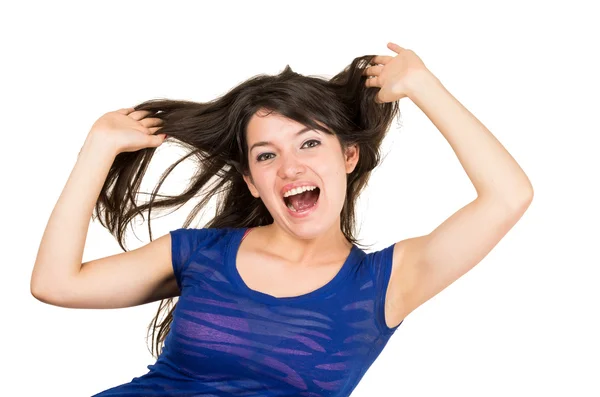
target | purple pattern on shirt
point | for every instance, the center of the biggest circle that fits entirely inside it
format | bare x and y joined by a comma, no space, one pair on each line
229,340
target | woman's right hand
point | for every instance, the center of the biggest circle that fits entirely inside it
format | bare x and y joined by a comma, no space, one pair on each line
127,130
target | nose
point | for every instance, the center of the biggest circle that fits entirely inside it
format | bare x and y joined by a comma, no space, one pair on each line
290,167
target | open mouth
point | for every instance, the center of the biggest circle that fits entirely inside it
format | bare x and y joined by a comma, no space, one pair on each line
302,201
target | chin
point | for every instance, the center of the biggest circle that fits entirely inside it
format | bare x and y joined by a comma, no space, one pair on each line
309,230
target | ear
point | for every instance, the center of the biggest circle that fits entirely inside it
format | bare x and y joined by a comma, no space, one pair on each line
251,187
351,157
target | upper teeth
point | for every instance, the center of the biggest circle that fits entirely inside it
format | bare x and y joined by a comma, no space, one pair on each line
298,190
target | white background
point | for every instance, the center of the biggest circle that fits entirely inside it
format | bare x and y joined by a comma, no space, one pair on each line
523,322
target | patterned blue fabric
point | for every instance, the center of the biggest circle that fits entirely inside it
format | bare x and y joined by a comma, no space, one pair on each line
229,340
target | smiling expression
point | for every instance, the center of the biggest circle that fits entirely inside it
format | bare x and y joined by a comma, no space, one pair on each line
283,154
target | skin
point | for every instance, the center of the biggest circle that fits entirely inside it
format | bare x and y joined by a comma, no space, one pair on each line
291,158
422,266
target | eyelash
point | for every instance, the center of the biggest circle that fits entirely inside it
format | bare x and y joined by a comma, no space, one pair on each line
258,158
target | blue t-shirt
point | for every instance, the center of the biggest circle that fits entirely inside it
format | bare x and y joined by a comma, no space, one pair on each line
229,340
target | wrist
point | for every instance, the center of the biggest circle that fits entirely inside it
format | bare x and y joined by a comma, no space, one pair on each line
97,144
421,82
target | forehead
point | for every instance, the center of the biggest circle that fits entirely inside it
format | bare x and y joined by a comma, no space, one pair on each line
270,127
276,130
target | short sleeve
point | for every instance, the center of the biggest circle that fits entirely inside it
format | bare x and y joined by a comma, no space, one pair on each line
184,243
380,265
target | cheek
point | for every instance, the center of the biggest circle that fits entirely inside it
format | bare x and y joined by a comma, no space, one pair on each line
334,177
263,183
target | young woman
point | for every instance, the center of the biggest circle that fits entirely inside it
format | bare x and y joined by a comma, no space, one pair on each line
275,296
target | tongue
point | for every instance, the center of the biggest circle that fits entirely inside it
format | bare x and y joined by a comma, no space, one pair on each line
304,200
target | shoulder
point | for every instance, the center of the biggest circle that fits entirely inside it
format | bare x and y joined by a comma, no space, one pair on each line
204,232
377,262
188,243
193,238
374,266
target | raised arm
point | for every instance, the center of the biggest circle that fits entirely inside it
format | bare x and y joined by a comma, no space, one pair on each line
59,277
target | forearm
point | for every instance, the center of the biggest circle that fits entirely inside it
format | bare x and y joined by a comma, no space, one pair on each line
60,253
489,166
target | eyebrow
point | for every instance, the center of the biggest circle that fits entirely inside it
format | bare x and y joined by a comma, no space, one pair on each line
267,143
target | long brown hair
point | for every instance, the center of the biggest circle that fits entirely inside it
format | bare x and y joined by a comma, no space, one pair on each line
213,135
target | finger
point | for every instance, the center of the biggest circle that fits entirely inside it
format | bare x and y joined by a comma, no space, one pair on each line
157,140
372,81
143,130
151,122
381,59
139,114
395,47
154,129
125,110
373,70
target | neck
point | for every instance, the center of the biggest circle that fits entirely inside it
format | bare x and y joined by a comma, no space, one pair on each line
306,248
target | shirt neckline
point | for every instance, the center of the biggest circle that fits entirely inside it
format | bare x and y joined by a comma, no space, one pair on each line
231,260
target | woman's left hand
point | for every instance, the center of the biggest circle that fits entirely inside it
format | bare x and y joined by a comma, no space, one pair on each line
395,75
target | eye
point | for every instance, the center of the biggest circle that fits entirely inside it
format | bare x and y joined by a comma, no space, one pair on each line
261,158
317,143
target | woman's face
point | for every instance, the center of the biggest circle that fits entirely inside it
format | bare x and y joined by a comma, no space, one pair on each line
280,156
